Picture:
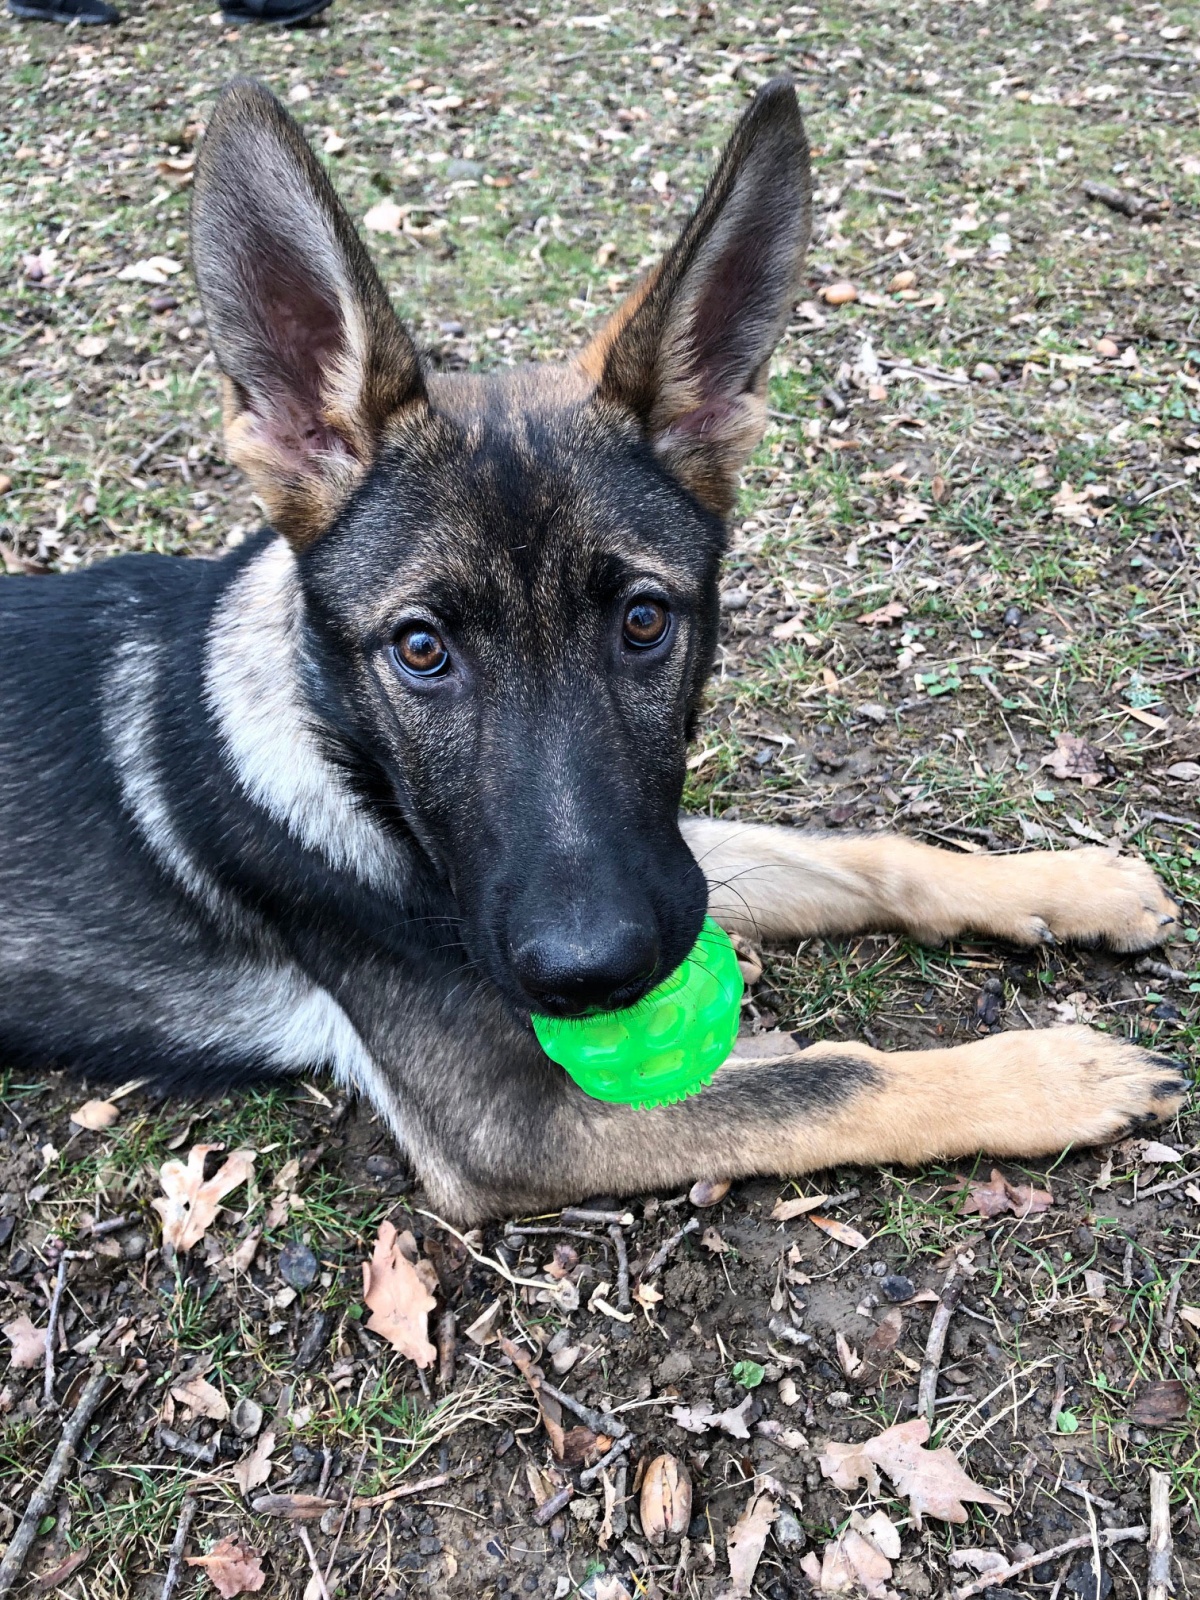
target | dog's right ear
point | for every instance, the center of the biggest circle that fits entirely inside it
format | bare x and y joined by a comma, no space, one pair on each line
314,359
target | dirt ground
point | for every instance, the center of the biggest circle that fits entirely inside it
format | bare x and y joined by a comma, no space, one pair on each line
970,532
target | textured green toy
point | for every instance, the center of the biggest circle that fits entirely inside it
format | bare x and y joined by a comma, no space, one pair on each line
666,1046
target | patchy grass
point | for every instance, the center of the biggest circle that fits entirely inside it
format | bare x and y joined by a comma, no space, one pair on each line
959,442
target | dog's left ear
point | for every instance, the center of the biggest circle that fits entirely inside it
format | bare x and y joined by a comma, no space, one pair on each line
314,359
688,351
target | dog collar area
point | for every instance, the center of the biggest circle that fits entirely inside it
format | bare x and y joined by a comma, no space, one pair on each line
665,1047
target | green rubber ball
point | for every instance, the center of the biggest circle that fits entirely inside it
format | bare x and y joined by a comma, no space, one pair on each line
666,1046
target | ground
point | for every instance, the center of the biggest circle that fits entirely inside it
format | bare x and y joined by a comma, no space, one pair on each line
969,531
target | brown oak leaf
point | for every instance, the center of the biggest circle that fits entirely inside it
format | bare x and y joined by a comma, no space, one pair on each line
28,1343
747,1539
1073,757
189,1204
932,1480
997,1195
398,1299
233,1568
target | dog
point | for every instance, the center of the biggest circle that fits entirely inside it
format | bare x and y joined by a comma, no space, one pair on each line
364,793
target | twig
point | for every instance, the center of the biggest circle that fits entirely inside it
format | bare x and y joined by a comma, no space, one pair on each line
1086,1494
187,1512
94,1392
623,1219
369,1502
995,1580
1129,205
98,1230
549,1509
170,1440
60,1283
152,449
618,1239
951,1294
302,1535
659,1259
1060,1392
1160,970
1158,1572
1166,1186
446,1346
589,1475
487,1261
597,1421
362,1461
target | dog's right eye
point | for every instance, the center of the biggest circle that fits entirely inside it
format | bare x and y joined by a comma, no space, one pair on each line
418,651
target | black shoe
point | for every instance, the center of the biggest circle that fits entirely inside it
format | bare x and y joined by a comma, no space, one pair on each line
282,13
88,13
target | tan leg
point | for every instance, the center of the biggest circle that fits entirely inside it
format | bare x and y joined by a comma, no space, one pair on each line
781,883
1016,1094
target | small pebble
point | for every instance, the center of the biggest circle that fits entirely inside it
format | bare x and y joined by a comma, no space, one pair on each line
297,1265
896,1288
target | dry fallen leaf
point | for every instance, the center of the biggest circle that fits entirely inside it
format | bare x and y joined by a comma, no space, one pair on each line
932,1480
708,1191
572,1446
1073,757
880,1346
28,1343
191,1203
647,1296
839,1231
95,1114
892,612
398,1299
859,1558
785,1210
747,1539
699,1419
1155,1154
201,1399
1162,1401
666,1503
253,1470
979,1560
234,1568
998,1195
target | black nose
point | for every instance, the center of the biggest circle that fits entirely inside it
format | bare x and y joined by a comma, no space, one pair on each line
567,972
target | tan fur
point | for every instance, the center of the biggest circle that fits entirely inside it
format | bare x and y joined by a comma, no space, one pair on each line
779,883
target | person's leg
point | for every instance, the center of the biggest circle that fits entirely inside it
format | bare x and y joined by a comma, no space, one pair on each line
88,13
280,13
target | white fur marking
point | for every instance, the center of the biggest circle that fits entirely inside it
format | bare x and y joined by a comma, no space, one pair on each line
250,685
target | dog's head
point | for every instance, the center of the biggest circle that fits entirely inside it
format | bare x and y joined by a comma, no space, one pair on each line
509,581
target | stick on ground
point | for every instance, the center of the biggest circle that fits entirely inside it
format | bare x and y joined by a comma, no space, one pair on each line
1158,1572
60,1284
995,1580
952,1289
187,1512
94,1392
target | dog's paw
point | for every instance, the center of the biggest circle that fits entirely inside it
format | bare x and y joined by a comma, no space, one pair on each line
1090,897
1085,1088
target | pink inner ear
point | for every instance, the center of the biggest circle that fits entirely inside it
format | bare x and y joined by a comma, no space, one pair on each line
294,433
706,420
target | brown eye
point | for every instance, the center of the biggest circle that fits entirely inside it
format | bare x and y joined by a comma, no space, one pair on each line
419,650
646,623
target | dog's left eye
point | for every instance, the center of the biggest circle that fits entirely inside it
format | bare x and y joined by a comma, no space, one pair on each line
418,650
646,623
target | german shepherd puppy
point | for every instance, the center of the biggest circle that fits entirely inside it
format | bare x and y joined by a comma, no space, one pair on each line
406,766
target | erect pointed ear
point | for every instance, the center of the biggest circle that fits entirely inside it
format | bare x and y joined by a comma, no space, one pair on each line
314,359
688,351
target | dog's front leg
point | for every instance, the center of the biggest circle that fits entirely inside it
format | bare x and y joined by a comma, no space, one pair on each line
781,883
532,1143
